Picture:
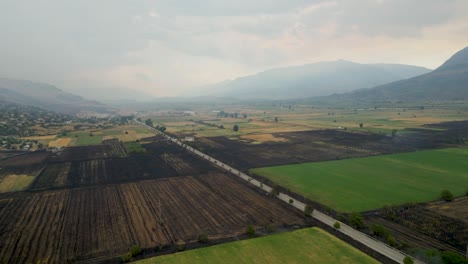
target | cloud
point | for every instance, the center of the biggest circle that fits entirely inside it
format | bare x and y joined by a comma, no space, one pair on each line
166,47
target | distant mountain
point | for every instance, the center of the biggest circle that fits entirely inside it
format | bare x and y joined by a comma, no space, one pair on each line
47,97
448,82
318,79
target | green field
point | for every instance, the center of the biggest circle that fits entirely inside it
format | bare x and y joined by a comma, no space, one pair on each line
311,245
369,183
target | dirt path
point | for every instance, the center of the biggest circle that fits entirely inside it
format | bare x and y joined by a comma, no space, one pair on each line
364,239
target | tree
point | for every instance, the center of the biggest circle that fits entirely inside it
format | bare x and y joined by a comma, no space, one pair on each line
250,231
356,220
149,122
235,128
276,119
379,230
291,201
361,125
408,260
337,225
446,195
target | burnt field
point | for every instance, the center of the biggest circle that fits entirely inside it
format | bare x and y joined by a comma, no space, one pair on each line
423,226
161,160
25,159
112,150
103,222
323,145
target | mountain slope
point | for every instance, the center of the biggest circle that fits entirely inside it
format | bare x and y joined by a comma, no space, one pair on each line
448,82
46,96
318,79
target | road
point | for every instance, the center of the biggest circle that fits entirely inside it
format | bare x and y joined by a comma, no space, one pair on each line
366,240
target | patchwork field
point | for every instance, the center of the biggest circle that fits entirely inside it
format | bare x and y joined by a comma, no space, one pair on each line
369,183
261,150
18,178
311,245
103,222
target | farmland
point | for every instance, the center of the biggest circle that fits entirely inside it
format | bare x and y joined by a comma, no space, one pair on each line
103,222
260,119
315,246
369,183
323,145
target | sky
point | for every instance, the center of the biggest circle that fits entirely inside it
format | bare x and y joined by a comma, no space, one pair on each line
118,49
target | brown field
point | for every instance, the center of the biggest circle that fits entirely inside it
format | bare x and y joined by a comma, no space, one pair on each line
263,138
60,142
103,222
48,137
422,120
457,209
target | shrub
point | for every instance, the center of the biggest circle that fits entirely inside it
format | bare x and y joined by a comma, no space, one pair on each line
408,260
452,258
308,210
391,240
203,238
356,220
250,230
379,230
135,250
291,201
126,257
274,191
270,228
337,225
446,195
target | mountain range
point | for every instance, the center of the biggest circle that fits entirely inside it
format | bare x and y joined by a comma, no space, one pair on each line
46,96
317,79
447,82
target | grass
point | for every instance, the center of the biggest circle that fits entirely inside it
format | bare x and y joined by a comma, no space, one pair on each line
311,245
369,183
13,183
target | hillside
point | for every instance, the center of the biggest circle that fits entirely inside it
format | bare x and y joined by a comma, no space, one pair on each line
46,96
448,82
318,79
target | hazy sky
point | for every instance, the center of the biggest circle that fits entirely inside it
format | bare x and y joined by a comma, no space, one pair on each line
167,47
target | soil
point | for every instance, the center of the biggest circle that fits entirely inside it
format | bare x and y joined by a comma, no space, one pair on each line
323,145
